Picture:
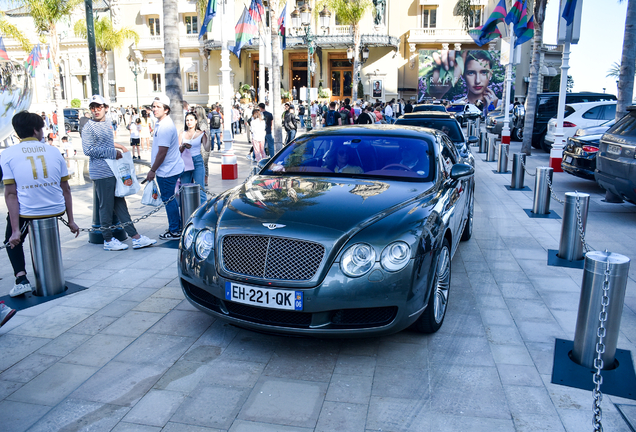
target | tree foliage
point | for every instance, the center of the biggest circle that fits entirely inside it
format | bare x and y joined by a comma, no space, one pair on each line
47,13
10,30
465,10
555,83
106,37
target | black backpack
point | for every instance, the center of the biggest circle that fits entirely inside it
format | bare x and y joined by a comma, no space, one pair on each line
301,110
344,115
331,119
215,121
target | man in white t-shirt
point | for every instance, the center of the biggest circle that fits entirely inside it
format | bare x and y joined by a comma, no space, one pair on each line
388,113
167,164
35,178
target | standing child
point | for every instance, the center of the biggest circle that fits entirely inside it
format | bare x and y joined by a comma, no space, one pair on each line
135,129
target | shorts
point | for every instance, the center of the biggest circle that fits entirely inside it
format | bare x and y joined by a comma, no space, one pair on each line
134,141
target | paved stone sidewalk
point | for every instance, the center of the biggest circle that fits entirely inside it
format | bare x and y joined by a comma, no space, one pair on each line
130,354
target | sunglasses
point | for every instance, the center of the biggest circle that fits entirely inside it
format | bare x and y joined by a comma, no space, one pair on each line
96,107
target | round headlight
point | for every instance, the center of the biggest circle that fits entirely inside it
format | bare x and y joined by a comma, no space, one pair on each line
188,236
395,256
357,260
204,243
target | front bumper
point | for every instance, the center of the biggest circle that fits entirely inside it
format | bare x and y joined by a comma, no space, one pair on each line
378,303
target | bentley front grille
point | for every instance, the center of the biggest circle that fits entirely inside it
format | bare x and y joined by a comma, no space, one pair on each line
271,257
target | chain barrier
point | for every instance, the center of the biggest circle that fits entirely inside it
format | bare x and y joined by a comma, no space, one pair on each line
579,223
552,194
600,349
523,165
22,231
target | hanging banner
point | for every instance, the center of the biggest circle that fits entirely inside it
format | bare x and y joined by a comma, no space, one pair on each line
467,76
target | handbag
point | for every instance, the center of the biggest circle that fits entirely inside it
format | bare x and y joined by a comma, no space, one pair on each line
124,171
151,195
187,160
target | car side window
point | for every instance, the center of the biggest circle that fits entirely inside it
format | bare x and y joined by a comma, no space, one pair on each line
448,158
609,112
593,113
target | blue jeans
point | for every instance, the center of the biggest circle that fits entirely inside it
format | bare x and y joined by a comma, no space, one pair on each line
291,134
235,128
302,120
269,144
197,175
215,133
389,119
166,188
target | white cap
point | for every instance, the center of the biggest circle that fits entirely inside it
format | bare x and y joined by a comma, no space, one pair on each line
97,99
163,99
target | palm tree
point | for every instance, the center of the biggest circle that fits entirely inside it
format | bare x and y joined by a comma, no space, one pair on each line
174,83
46,15
350,12
628,62
274,87
9,30
614,71
106,38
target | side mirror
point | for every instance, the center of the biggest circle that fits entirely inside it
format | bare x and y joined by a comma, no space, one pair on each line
461,170
473,139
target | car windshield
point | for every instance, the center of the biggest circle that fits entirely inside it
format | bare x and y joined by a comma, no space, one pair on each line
449,126
389,157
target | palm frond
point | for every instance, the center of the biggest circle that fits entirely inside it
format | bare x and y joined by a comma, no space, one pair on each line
10,30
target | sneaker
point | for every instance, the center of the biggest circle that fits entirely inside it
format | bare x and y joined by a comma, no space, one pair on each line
6,313
115,245
143,242
170,236
19,289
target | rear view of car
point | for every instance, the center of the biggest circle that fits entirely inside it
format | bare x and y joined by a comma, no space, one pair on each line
616,159
580,115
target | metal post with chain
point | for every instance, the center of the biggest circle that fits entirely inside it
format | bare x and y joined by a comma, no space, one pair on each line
579,222
600,349
22,230
523,164
552,194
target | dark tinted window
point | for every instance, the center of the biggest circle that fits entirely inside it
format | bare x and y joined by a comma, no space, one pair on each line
418,108
593,113
366,157
567,111
609,112
455,108
547,106
449,126
626,126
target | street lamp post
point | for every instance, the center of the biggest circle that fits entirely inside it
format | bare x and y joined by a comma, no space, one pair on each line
137,68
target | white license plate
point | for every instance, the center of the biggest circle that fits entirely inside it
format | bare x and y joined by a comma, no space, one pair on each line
614,149
568,159
264,297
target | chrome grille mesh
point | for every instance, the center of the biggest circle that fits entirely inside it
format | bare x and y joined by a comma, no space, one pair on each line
271,257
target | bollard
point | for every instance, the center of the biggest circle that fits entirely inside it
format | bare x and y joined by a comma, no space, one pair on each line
570,247
190,200
483,141
490,151
541,203
477,125
587,320
471,128
502,158
518,173
46,255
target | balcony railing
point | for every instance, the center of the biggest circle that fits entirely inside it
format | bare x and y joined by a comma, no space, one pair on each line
191,40
438,35
151,42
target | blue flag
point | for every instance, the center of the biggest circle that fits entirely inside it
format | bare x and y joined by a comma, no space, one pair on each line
568,11
282,24
210,12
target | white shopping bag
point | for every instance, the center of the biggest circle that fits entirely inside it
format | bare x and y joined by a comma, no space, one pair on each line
151,195
124,171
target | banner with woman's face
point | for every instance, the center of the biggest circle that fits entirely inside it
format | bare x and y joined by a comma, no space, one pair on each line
461,76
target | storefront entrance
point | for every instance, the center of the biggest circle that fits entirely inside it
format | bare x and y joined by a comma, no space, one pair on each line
256,74
341,76
297,73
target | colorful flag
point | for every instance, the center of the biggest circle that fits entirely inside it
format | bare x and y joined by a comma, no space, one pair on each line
498,14
282,24
48,57
482,35
527,34
568,11
3,51
33,60
520,27
257,10
245,30
210,12
515,13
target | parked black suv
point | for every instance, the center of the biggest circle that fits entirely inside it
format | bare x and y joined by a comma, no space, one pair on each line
71,119
616,158
547,104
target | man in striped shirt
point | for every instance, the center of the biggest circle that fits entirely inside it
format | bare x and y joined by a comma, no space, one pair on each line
99,144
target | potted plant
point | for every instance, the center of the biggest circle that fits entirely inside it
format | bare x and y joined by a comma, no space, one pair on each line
285,95
246,96
324,95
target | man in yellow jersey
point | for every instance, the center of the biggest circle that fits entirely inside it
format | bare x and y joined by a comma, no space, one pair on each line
35,177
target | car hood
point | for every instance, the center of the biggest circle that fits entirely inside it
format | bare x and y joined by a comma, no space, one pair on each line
312,207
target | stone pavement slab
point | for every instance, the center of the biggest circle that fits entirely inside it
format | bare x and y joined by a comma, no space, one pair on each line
131,354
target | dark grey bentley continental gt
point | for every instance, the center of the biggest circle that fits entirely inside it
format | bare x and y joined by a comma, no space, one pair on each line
345,231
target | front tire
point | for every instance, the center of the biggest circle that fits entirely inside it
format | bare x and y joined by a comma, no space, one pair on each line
432,318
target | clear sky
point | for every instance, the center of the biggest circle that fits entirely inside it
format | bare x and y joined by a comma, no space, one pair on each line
600,45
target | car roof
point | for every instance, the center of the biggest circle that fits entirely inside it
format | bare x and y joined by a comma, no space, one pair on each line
428,114
583,105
